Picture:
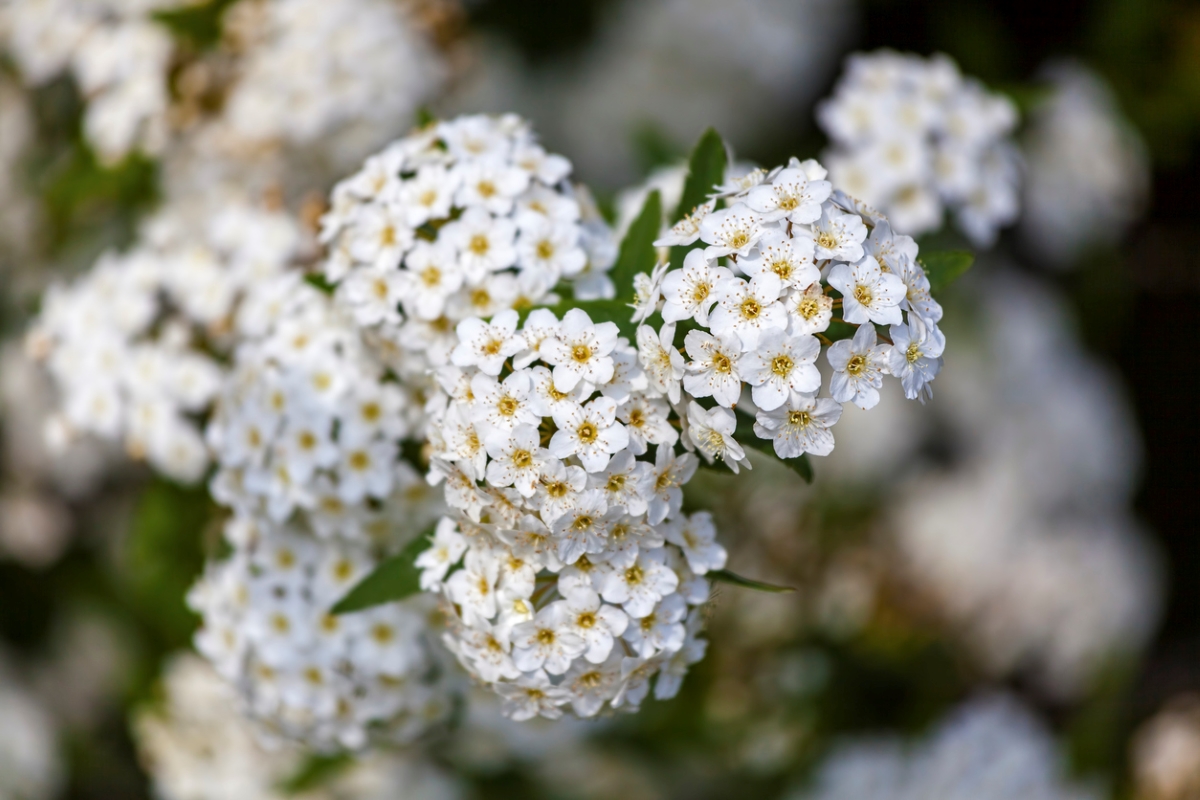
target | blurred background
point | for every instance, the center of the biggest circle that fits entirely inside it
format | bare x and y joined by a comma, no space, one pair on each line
1007,569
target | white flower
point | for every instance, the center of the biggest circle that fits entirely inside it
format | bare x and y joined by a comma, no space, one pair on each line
712,433
646,423
809,311
547,641
782,363
473,588
428,194
662,362
713,370
596,624
691,291
590,685
626,482
381,237
687,230
540,326
444,551
868,294
639,587
748,309
659,631
484,243
552,249
696,537
839,236
800,425
560,490
487,345
517,459
374,296
584,527
670,473
790,195
366,469
731,231
789,258
503,405
581,351
431,274
590,432
858,368
916,356
532,695
490,183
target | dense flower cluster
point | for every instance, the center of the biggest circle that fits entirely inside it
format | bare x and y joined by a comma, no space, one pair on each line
118,55
1089,173
991,749
305,674
296,82
308,421
307,438
580,579
912,136
757,299
464,218
131,343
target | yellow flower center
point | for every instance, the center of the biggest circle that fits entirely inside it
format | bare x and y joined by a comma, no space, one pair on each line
782,366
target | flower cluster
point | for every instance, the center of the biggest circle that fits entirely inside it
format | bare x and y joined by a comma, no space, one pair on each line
307,421
912,136
464,218
305,674
295,82
990,749
756,295
118,55
580,578
130,344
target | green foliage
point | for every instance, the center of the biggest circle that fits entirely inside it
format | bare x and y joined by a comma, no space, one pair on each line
80,192
315,771
945,267
395,579
706,170
199,25
725,576
654,148
165,554
638,253
746,437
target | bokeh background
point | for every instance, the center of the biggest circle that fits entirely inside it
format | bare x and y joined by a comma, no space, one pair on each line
1030,535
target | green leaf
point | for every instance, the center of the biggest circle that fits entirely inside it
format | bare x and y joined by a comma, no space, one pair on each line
944,267
638,253
315,771
746,437
395,579
706,170
319,282
200,24
725,576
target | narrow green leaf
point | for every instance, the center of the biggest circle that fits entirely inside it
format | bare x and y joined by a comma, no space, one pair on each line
394,579
638,253
746,437
318,282
944,267
706,170
315,771
725,576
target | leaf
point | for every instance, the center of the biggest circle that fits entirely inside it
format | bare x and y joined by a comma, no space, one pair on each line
638,253
943,268
395,579
746,437
725,576
315,771
706,170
